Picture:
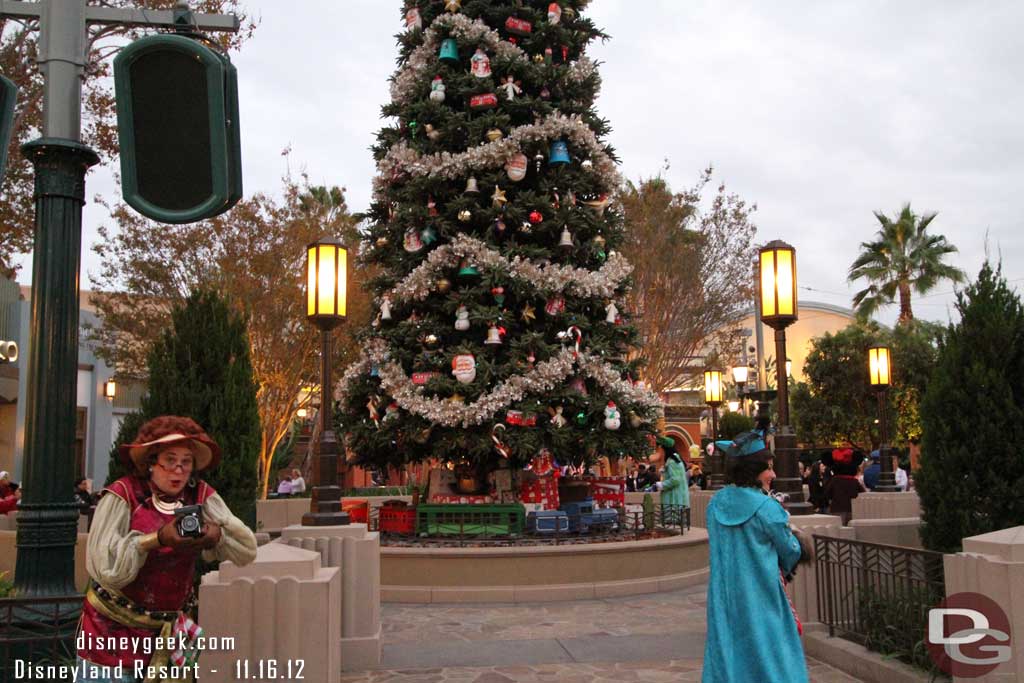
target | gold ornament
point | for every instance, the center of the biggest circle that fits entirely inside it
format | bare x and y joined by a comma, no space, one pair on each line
382,242
465,215
456,398
499,197
453,6
494,134
444,285
538,59
529,314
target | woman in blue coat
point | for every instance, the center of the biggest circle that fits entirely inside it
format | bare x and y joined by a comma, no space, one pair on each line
752,632
674,487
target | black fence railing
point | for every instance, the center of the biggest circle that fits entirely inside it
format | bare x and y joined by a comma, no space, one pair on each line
40,631
396,525
879,595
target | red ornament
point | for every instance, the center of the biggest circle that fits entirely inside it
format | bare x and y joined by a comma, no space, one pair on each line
513,40
488,101
565,53
536,217
518,26
421,378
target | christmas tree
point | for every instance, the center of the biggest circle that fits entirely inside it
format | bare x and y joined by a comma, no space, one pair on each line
501,328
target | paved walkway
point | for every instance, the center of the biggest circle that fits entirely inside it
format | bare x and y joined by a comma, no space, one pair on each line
656,638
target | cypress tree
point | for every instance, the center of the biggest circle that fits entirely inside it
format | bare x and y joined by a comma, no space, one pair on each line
972,462
200,368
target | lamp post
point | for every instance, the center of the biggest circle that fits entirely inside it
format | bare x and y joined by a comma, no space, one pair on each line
777,303
713,397
879,369
326,280
740,373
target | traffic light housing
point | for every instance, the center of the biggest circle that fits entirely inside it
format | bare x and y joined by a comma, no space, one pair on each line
177,119
8,97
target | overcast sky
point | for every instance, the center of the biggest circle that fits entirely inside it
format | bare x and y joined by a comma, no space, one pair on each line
819,112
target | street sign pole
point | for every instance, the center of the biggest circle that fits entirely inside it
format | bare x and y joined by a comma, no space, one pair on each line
48,519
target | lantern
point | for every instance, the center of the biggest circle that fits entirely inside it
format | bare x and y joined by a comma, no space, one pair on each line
326,281
878,366
777,284
713,387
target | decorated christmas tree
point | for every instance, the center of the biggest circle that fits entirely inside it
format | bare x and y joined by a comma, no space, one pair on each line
501,330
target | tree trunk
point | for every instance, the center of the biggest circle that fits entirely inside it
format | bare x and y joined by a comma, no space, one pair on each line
906,315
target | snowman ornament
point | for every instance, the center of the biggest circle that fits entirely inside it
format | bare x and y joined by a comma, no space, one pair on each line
612,417
437,89
462,319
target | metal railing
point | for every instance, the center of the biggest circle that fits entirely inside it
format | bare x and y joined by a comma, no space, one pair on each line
625,525
878,595
40,631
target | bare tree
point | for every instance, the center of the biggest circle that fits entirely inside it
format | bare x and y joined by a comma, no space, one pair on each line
692,256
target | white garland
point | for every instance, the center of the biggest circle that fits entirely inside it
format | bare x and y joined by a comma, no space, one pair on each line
461,27
544,377
403,160
549,278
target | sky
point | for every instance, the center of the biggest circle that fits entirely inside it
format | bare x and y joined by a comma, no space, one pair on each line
819,112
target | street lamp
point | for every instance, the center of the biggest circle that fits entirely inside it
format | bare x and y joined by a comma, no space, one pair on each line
789,368
110,389
326,280
777,303
879,370
740,374
713,397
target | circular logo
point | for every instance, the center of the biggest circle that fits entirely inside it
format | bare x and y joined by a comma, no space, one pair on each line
968,635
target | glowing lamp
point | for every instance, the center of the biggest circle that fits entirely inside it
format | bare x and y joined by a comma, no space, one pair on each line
326,282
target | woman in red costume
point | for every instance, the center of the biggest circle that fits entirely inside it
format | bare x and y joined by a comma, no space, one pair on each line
142,568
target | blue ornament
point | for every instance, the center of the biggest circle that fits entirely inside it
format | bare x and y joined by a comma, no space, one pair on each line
559,153
449,50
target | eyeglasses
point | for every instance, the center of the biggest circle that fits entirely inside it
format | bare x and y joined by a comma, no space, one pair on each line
183,465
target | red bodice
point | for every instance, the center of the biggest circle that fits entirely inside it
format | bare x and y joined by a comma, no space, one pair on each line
162,584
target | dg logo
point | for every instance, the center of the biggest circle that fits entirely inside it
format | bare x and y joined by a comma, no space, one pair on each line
968,635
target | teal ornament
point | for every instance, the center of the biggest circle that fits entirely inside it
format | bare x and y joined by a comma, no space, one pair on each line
559,153
449,50
375,371
467,270
581,418
428,235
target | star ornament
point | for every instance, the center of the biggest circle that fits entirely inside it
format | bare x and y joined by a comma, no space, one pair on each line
529,313
456,398
498,198
453,5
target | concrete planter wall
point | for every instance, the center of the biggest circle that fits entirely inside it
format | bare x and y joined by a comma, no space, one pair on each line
274,515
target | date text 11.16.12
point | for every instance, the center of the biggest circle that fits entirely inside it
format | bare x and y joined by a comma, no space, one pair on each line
269,669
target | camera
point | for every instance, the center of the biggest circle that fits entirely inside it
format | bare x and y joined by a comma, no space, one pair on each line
189,521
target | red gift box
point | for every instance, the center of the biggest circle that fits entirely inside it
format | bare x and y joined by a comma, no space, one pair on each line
518,26
543,490
608,491
421,378
487,101
517,418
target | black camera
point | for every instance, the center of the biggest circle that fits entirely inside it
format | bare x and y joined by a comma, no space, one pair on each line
189,521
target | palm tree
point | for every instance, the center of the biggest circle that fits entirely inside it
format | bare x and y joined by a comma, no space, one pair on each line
904,257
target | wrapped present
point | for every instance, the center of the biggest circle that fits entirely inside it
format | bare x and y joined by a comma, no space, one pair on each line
520,27
608,491
543,490
517,418
421,378
488,101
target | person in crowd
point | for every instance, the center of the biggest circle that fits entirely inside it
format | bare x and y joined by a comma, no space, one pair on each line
9,503
753,633
647,478
844,485
298,483
872,471
5,484
902,480
148,530
631,478
697,476
816,486
675,489
83,494
284,484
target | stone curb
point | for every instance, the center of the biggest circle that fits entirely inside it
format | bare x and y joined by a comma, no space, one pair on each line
858,661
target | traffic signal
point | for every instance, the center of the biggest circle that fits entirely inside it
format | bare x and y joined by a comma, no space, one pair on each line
8,96
177,118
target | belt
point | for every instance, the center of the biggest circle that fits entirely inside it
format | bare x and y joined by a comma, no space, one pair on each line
127,608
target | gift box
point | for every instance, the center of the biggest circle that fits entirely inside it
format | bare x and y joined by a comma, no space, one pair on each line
608,492
520,27
488,101
517,418
421,378
543,490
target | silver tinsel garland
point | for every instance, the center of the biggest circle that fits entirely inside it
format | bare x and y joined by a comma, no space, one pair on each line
544,377
402,160
548,278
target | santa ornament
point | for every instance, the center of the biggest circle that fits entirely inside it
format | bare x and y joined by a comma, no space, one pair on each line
413,20
464,368
515,167
554,13
480,64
